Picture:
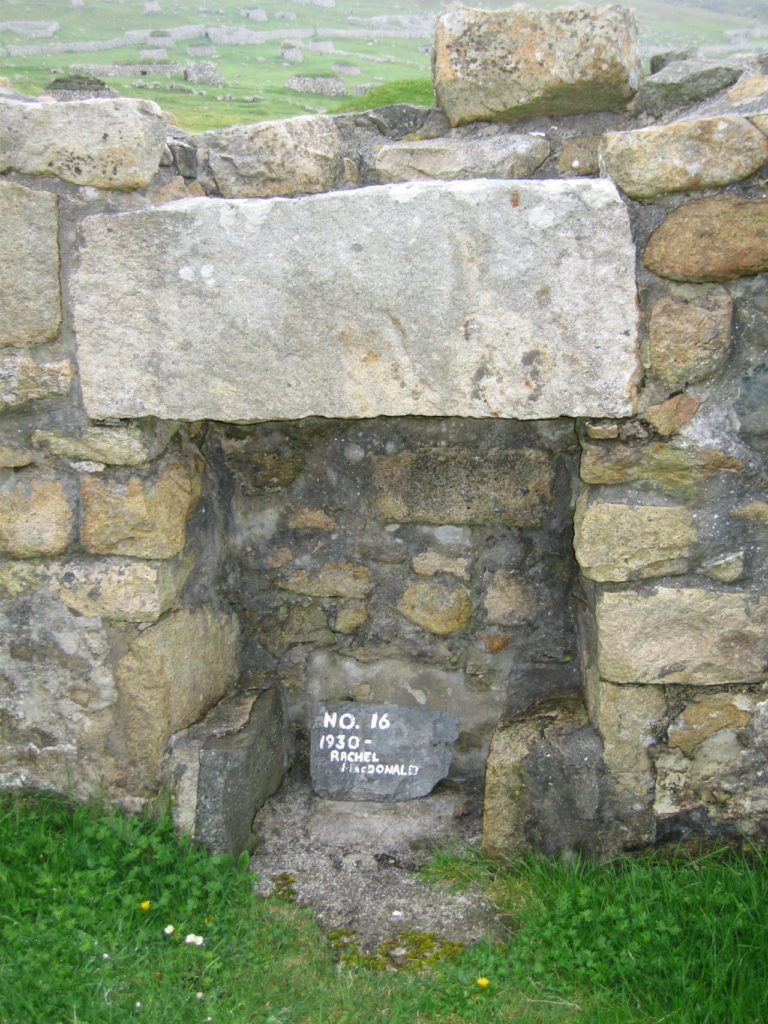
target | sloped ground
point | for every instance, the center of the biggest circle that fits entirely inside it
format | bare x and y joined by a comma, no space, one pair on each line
356,863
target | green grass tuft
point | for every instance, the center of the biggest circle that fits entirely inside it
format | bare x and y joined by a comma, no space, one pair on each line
406,90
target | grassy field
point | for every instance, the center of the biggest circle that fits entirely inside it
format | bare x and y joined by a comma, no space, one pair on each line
109,920
254,76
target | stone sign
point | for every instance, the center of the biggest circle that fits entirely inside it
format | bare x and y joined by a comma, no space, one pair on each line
379,751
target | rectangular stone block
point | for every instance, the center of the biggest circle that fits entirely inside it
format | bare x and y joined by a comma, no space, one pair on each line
37,515
223,768
29,252
473,298
107,143
505,64
686,635
615,542
139,517
172,674
463,486
107,588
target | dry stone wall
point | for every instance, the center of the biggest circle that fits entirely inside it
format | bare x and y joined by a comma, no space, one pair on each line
372,407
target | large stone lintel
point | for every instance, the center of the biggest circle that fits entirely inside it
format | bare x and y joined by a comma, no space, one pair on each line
475,298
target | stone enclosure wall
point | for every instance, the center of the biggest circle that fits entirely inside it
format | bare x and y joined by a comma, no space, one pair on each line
460,407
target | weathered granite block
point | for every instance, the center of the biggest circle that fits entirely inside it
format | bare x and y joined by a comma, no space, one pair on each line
380,751
497,156
459,485
679,157
615,542
123,589
172,674
296,156
25,380
438,608
112,143
683,81
720,238
223,769
143,518
29,253
686,635
37,514
475,298
491,65
689,333
655,465
546,786
132,445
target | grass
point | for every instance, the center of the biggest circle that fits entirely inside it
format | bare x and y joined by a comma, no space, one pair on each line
409,90
680,939
87,895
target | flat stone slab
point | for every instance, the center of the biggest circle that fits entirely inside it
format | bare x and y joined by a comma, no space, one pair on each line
379,751
466,298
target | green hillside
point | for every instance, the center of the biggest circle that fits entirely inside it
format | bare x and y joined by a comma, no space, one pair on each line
361,44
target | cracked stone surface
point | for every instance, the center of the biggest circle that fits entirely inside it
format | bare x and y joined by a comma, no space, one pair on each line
356,863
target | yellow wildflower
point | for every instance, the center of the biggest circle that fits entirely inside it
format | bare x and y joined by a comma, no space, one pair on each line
145,904
483,982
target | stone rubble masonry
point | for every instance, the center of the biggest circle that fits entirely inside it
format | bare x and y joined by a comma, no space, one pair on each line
510,598
719,238
491,65
422,559
144,518
29,253
550,334
15,456
173,673
755,510
111,144
680,157
334,579
705,716
175,189
580,156
615,543
431,562
721,756
727,568
682,635
669,417
58,697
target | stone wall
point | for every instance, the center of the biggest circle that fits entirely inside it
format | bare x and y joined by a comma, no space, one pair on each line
461,407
